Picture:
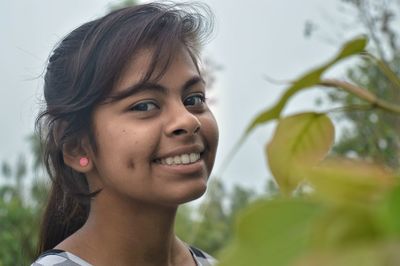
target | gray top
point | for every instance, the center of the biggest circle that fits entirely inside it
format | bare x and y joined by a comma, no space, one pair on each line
56,257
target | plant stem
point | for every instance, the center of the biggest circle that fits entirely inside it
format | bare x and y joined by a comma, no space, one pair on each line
362,93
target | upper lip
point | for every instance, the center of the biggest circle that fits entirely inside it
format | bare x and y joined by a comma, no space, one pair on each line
196,148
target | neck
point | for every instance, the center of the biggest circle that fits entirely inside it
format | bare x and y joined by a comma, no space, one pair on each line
121,232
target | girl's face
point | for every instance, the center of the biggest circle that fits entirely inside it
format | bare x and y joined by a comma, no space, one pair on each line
157,145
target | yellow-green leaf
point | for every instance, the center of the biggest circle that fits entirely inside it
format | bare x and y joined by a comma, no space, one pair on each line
300,141
347,181
341,226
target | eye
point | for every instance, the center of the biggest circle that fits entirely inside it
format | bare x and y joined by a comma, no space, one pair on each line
195,100
144,106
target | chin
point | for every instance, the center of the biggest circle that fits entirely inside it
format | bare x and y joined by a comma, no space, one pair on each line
187,195
197,195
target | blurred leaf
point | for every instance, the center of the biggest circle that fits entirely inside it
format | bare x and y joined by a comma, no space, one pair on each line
390,212
299,141
271,232
346,226
349,181
308,80
372,254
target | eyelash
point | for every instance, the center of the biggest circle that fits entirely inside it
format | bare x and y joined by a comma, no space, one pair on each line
139,106
199,96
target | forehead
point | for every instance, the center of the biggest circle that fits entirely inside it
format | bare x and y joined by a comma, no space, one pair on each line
181,67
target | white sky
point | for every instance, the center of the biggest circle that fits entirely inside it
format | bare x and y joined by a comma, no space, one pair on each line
252,39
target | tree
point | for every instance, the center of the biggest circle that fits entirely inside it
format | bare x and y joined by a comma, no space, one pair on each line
123,3
211,225
20,207
211,229
373,134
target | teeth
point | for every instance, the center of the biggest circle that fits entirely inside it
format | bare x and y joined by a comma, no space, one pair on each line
185,158
181,159
194,157
177,159
169,160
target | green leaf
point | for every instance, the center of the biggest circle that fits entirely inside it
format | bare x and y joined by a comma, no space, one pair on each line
271,233
299,141
308,80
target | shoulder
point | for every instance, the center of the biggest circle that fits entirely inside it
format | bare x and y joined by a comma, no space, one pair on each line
57,257
202,258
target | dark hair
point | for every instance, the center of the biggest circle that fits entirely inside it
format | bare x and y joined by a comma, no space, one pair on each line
80,74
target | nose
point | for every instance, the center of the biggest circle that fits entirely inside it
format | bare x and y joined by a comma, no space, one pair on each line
182,123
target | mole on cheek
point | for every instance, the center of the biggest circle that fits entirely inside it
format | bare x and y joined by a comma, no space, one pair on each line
131,165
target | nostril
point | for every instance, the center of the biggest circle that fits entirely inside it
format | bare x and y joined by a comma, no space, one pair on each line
179,131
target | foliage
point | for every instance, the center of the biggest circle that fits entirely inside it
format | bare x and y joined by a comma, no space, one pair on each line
210,226
20,207
372,134
122,3
349,211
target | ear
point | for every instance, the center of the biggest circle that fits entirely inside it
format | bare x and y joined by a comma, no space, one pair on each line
77,156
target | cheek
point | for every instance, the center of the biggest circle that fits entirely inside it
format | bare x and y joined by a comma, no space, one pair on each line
211,134
137,143
211,128
126,151
142,141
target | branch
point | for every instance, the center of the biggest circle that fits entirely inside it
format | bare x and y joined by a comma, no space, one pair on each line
362,93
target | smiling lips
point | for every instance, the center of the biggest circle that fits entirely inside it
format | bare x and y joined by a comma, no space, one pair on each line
186,158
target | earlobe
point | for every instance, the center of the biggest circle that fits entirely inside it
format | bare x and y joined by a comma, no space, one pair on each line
77,156
80,163
84,161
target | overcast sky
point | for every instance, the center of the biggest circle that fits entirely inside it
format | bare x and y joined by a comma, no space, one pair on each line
252,39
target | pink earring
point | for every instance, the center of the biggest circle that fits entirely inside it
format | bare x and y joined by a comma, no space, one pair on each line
83,161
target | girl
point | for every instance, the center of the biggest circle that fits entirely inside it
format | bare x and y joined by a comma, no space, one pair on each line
128,137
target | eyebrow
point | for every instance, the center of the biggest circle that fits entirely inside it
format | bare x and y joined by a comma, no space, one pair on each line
146,86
